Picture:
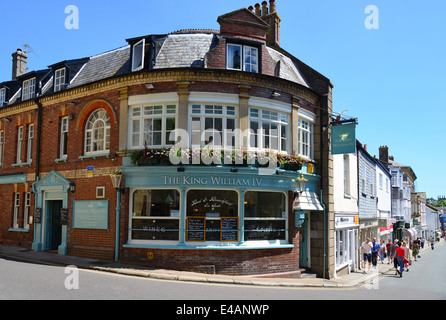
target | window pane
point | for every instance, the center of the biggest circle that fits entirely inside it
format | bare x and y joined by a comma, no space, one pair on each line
212,203
264,204
234,56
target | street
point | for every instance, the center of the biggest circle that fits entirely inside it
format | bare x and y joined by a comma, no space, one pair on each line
27,280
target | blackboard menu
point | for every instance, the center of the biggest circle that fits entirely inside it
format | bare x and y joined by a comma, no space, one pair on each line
213,230
265,230
155,229
229,229
196,229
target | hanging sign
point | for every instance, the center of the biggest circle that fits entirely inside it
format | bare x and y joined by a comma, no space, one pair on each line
343,139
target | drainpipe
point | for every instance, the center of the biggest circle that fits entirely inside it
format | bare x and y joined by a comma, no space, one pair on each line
39,136
325,235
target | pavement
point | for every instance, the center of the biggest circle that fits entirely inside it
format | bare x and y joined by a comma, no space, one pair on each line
352,279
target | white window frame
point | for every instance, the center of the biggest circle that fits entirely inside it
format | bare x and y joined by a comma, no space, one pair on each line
2,96
29,89
27,211
29,150
63,137
203,111
16,210
245,55
306,138
99,116
264,118
59,79
139,45
19,144
1,146
140,114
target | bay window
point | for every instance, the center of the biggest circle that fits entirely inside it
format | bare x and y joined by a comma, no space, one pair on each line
151,126
269,130
213,124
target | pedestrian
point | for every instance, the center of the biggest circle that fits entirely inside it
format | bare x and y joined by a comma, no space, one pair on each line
393,255
366,248
422,242
388,245
400,253
415,249
382,251
375,252
409,261
432,243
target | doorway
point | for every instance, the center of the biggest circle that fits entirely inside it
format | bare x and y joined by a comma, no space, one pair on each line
54,225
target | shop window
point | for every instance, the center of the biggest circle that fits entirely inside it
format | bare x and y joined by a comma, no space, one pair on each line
97,133
151,126
155,215
213,125
265,216
212,215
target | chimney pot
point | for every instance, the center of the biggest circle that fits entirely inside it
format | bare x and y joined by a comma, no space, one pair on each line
272,6
251,8
264,8
258,9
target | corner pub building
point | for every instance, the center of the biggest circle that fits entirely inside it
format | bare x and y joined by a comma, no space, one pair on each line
69,133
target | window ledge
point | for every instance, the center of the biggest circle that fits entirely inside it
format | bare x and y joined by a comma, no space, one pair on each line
18,230
21,165
94,156
236,246
61,160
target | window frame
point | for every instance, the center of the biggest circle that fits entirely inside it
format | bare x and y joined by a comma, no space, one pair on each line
63,139
16,211
243,55
29,149
29,89
2,141
259,116
164,116
19,145
2,97
27,210
305,138
204,112
90,133
141,43
59,79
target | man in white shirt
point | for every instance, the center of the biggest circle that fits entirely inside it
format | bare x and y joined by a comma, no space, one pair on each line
366,248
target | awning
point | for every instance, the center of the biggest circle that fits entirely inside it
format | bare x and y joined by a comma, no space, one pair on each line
411,232
308,201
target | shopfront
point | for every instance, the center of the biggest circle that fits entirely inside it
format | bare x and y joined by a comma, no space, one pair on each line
232,220
346,240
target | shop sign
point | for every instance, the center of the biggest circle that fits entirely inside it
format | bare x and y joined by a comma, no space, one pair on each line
216,181
90,214
343,139
345,221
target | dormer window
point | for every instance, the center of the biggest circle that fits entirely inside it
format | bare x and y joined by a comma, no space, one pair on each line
2,97
59,80
138,55
242,58
29,89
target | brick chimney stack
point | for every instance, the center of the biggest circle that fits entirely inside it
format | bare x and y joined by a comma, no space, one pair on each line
18,63
270,16
384,154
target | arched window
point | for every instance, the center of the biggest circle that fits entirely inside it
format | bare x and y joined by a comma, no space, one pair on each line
97,132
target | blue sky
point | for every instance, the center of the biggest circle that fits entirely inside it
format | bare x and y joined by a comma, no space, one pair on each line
391,78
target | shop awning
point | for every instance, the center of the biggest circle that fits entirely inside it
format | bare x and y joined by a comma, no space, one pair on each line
308,201
411,232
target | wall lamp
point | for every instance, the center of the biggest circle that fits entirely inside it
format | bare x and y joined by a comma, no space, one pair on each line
72,187
150,86
301,185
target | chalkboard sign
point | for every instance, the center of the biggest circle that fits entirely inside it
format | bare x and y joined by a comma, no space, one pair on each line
155,229
38,215
229,229
64,216
196,229
265,230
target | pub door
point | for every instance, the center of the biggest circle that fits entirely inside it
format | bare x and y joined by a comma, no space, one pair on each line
53,224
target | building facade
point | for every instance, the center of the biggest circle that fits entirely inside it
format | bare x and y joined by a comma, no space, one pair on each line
218,136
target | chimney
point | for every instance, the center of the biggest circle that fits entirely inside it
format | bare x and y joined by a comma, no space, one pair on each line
18,63
384,154
258,9
273,19
264,8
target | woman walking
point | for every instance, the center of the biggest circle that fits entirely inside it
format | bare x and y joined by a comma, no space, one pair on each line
400,253
415,249
409,261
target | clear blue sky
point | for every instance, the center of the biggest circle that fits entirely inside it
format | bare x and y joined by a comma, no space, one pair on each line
392,79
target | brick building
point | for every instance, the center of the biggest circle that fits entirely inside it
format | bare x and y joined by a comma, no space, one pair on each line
66,129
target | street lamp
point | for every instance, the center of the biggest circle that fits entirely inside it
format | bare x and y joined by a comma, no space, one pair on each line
301,183
116,181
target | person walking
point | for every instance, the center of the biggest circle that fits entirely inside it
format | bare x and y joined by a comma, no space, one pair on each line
415,249
409,261
366,248
432,243
392,254
388,245
400,253
422,242
375,252
382,251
